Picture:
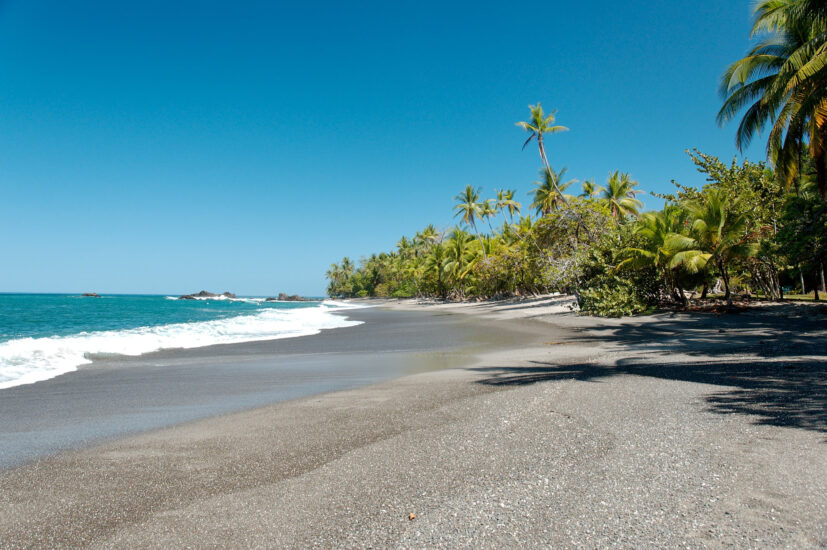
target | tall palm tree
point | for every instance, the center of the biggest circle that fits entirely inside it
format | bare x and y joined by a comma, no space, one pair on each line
782,82
539,125
548,195
488,210
459,258
469,208
428,235
717,234
506,203
434,264
405,247
619,195
339,274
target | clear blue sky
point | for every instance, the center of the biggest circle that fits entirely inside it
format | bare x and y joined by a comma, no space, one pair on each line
164,147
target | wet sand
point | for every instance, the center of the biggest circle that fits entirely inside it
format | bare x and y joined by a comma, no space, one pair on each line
671,430
117,397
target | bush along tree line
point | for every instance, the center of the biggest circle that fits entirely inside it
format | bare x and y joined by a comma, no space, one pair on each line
753,228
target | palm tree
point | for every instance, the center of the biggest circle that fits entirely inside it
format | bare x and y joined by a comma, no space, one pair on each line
782,82
655,230
590,189
459,258
547,198
434,263
619,195
405,247
469,208
717,234
539,125
506,202
427,236
339,274
488,209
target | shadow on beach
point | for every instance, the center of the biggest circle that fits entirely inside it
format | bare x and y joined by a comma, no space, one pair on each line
773,367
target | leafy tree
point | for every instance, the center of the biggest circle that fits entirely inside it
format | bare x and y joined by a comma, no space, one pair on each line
803,233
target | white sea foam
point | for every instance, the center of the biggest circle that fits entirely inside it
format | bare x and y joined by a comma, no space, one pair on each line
28,360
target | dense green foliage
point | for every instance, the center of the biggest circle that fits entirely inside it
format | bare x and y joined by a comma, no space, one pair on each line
742,232
752,228
782,83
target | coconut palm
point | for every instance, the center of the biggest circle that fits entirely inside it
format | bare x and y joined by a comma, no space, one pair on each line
619,195
539,125
782,83
434,263
547,195
655,230
717,234
406,249
506,202
469,208
427,236
488,210
459,258
590,189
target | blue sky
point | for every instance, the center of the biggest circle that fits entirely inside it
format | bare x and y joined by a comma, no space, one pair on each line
161,147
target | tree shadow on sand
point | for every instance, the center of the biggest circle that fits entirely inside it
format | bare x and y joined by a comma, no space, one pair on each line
774,368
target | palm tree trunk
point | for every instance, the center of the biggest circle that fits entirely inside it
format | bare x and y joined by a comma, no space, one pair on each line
484,257
821,270
801,276
725,278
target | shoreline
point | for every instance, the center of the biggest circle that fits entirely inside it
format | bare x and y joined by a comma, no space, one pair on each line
673,429
121,396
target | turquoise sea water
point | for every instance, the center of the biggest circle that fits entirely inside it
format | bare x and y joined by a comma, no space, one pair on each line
44,315
44,335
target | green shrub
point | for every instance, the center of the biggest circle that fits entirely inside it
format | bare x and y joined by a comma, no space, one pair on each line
614,298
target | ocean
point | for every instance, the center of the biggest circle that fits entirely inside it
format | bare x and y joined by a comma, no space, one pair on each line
46,335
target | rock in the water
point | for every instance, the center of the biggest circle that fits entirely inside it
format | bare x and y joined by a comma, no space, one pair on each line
205,294
288,298
91,294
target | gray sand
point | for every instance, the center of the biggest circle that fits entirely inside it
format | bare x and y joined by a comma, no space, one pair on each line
667,431
124,396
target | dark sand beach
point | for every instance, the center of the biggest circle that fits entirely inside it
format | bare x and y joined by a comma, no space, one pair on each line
496,425
116,397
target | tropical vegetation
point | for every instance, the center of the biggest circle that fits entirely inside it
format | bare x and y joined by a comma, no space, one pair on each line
754,229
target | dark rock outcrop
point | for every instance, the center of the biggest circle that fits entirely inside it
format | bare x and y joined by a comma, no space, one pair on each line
205,294
282,297
91,294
